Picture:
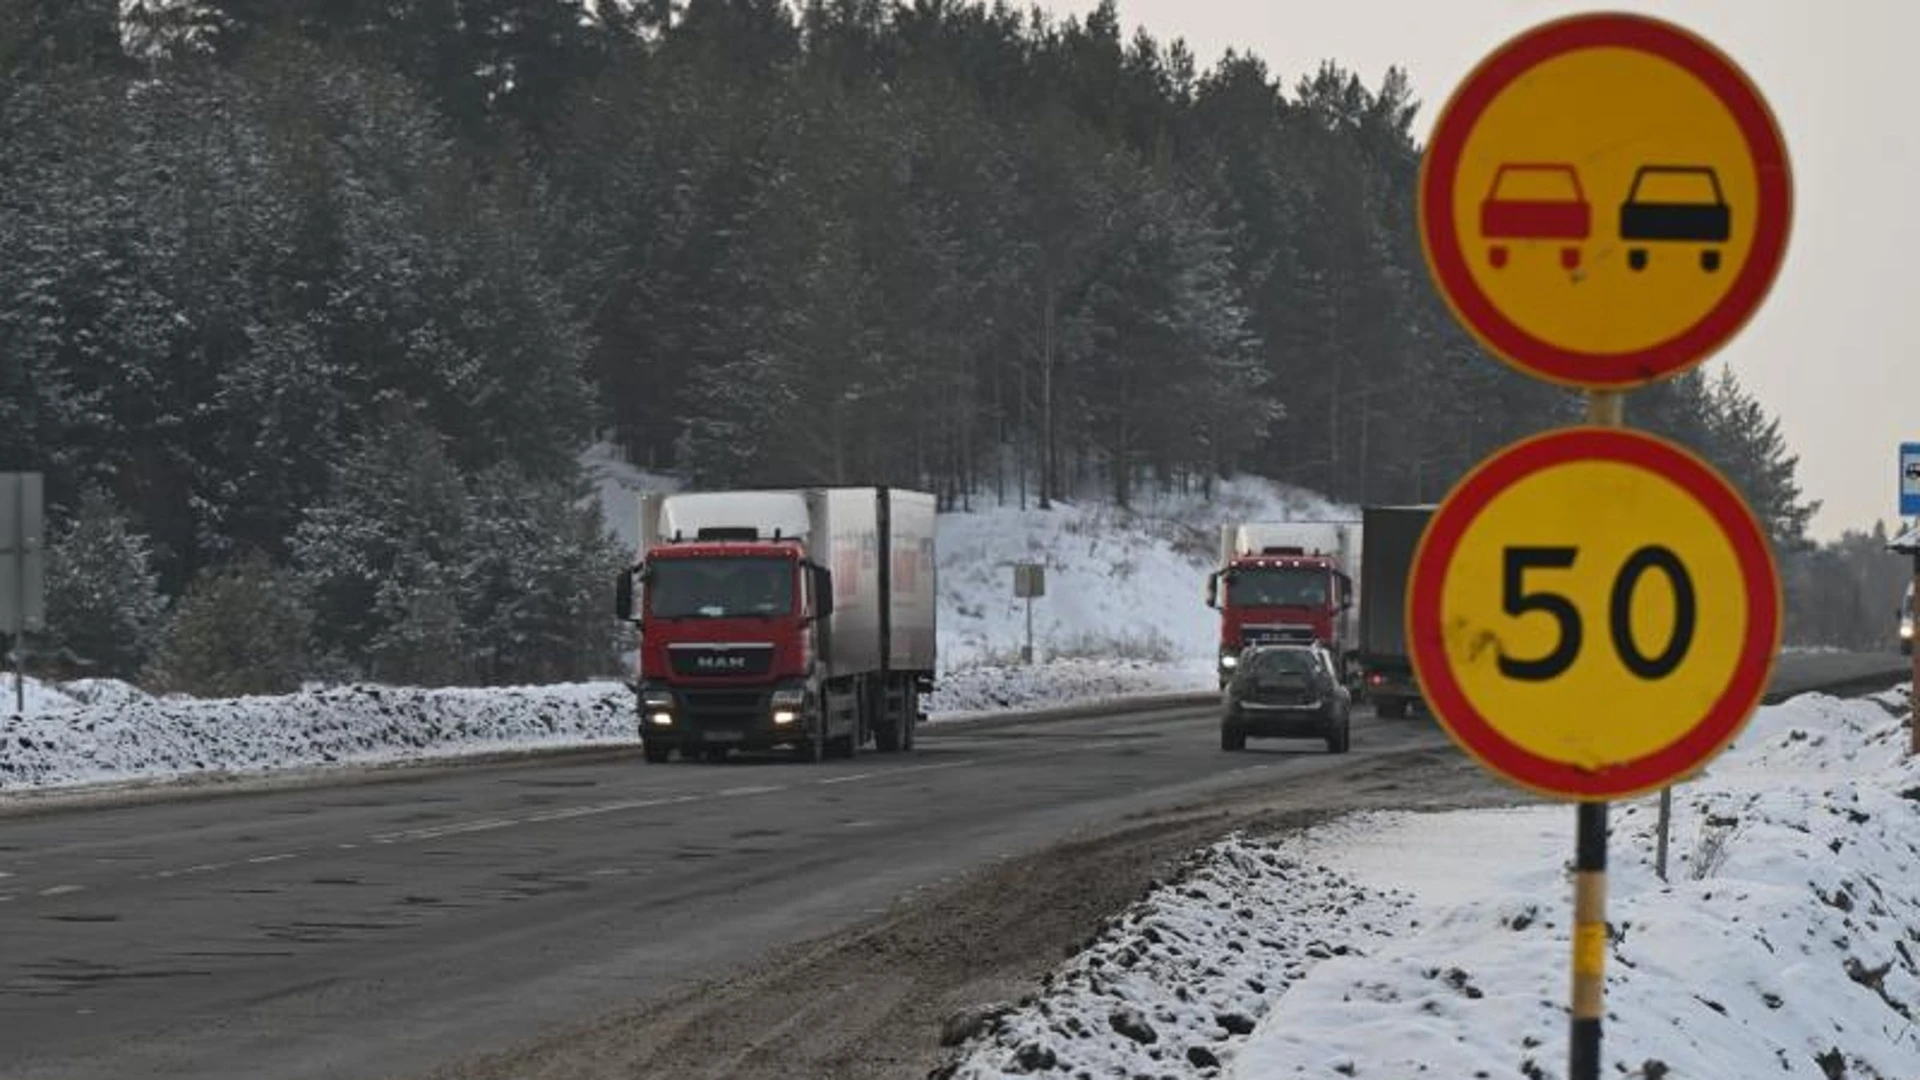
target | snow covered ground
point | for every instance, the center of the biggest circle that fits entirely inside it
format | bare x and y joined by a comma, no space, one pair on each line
1785,941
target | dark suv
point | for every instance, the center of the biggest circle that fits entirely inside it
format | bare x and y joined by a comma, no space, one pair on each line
1286,691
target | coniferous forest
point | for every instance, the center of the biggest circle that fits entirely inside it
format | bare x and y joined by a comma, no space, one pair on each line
307,307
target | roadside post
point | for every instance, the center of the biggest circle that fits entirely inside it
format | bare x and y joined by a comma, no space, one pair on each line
1029,581
1908,543
1594,613
22,570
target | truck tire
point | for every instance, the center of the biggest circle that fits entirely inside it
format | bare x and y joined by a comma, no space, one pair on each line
656,753
1231,740
1391,708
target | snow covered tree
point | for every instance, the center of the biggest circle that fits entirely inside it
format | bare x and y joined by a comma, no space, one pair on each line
238,629
104,606
534,576
377,558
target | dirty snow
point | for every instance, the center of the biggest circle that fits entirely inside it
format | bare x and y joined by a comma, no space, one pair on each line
1397,945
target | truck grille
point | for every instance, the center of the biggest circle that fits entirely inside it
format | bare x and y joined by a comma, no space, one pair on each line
749,659
736,708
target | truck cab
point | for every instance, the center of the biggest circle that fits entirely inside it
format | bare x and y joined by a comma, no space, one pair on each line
776,619
1281,596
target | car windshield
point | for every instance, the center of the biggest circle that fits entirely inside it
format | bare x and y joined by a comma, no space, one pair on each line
716,587
1281,664
1278,586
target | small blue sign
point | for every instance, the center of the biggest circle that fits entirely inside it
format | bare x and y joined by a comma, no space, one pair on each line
1909,479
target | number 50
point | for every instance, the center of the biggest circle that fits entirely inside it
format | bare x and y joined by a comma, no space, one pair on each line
1518,600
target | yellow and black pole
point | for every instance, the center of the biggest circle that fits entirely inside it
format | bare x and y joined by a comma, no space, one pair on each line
1605,408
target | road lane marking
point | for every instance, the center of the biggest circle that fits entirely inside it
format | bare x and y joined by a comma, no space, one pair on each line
274,858
62,890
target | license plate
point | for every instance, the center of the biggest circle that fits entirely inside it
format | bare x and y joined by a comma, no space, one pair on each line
723,736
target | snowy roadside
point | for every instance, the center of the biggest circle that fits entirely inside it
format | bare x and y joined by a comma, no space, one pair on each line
1390,945
103,732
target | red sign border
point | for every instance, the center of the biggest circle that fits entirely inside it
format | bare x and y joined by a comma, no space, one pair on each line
1440,164
1441,541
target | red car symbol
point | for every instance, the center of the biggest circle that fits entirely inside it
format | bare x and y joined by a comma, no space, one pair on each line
1553,207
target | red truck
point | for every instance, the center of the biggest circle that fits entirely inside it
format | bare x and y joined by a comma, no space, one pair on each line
1286,582
798,619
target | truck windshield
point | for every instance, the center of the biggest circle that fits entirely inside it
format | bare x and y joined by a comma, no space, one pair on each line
1278,586
717,587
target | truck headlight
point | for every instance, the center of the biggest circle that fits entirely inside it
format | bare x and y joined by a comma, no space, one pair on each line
787,702
661,719
1906,631
1228,662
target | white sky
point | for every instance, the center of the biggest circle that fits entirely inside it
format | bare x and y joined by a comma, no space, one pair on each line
1827,353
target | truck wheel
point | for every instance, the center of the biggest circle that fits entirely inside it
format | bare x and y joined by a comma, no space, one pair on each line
656,752
843,747
810,749
1391,708
1231,740
909,716
886,737
713,754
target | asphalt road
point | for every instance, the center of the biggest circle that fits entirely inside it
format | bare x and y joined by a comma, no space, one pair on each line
376,929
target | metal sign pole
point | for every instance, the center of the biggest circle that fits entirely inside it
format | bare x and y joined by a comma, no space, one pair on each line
1913,694
1605,408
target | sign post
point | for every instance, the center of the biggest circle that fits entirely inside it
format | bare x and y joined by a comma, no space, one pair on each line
22,570
1029,581
1909,544
1604,202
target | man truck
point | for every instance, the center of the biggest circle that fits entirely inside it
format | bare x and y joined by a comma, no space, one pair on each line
799,619
1287,581
1391,536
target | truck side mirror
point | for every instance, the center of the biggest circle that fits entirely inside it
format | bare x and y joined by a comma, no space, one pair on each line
1213,589
623,595
822,591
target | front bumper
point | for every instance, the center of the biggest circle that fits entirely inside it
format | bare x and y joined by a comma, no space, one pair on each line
1280,721
746,718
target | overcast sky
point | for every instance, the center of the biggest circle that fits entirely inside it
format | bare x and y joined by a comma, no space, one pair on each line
1833,351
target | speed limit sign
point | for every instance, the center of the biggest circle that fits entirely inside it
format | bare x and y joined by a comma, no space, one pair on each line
1594,613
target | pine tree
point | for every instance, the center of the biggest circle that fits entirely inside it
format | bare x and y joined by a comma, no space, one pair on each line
239,629
378,558
533,581
104,606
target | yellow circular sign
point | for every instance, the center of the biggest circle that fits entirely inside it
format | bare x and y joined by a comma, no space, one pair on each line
1605,200
1593,613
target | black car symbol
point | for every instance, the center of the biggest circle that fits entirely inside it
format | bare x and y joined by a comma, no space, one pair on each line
1912,470
1703,219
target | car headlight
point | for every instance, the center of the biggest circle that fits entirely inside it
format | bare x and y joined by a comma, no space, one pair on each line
661,719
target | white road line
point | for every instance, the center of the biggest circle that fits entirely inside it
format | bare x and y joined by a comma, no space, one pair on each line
5,874
62,890
760,790
845,779
274,858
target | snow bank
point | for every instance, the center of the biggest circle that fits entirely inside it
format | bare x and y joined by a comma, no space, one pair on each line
1392,945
